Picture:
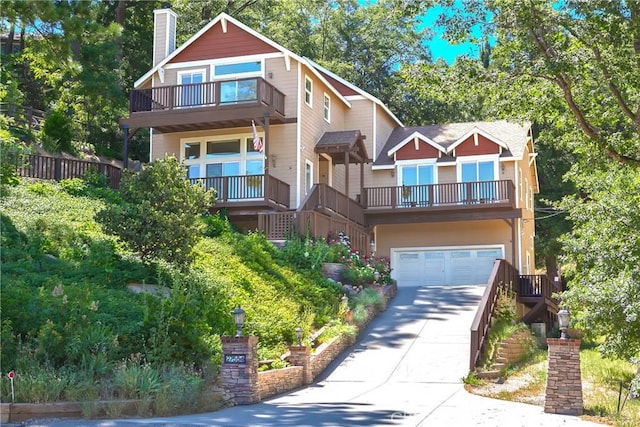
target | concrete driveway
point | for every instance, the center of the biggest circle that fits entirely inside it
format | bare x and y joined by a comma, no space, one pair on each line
406,369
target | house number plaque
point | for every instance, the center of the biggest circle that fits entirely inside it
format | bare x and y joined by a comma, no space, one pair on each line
239,359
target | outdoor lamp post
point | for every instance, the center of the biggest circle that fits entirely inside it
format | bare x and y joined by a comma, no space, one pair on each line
372,246
238,317
299,335
376,276
564,319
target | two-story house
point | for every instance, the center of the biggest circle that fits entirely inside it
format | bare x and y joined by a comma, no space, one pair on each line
442,201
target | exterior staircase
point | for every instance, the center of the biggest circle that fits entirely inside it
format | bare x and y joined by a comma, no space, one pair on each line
511,350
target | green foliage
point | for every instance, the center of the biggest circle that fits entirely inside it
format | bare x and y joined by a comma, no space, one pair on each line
216,225
12,156
304,252
472,379
57,134
159,213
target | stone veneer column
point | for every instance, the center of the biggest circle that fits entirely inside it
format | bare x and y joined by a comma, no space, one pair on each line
301,356
239,372
564,385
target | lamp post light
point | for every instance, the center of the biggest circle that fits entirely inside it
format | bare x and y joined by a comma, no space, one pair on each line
376,276
372,246
299,335
564,319
238,318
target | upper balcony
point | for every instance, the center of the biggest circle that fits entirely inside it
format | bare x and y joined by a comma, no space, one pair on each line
440,202
209,105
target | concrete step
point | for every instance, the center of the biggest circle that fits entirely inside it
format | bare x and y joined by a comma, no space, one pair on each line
488,375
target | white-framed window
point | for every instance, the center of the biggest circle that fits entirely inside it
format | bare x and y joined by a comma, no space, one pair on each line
190,92
226,70
222,156
415,179
482,172
308,176
327,108
308,91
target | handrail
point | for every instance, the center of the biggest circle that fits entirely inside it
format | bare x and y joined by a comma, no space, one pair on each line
459,193
280,226
502,273
536,285
247,187
57,168
218,93
328,198
31,117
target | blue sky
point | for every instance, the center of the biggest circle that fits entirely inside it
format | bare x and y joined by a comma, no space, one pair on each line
441,48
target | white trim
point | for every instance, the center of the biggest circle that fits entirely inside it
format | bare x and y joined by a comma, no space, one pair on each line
308,185
242,157
326,108
382,167
150,144
357,89
477,159
310,92
375,132
233,60
299,133
519,243
410,138
223,24
474,131
285,52
202,71
229,61
532,158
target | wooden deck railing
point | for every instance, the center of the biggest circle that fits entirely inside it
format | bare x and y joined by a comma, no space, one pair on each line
503,273
29,117
56,168
218,93
535,285
461,193
281,225
247,187
322,196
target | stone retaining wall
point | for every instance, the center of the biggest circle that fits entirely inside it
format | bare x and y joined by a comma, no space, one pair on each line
327,352
277,381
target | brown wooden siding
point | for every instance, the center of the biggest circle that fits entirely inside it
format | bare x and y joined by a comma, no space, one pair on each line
215,44
424,151
485,146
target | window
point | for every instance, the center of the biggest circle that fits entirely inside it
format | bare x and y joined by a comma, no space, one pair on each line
415,181
237,68
229,165
308,176
482,175
237,91
327,108
190,90
308,91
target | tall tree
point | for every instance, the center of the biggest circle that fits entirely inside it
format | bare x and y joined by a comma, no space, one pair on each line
574,66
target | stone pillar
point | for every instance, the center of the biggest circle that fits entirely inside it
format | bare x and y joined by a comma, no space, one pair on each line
239,372
564,385
301,356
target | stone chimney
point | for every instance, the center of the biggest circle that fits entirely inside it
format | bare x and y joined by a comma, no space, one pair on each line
164,34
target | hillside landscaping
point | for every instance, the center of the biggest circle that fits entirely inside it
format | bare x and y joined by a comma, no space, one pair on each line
87,317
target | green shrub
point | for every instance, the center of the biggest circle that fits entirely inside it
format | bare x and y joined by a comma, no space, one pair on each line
57,132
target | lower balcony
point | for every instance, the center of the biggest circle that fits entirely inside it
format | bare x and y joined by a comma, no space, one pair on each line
442,202
248,191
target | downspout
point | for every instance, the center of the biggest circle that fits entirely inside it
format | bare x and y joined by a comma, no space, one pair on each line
298,134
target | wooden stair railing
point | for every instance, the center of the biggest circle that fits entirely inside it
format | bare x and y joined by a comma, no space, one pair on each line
502,273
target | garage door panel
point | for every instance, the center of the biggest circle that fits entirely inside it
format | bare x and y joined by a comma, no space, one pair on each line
464,266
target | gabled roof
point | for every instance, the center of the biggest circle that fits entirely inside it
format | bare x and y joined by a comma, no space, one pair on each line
223,18
355,89
340,143
411,138
511,136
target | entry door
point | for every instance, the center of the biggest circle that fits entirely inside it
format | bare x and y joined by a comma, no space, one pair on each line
324,170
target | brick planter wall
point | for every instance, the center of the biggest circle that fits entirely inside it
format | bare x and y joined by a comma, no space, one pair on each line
564,384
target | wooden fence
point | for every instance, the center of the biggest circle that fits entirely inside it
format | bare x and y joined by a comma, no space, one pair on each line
57,169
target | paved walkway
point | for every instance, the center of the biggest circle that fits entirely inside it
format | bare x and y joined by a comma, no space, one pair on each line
405,371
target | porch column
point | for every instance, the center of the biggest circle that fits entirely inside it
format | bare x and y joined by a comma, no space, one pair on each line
563,394
266,142
346,177
361,181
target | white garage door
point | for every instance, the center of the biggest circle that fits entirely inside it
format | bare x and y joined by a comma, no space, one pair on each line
461,266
